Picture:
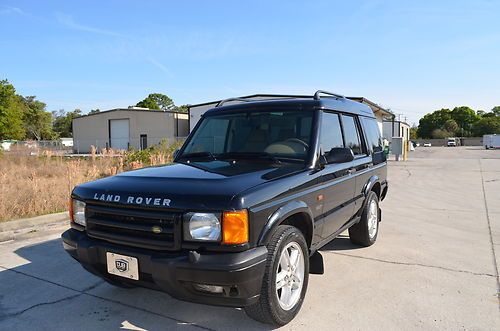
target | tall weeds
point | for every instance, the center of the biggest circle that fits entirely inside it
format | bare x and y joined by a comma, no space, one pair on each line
37,185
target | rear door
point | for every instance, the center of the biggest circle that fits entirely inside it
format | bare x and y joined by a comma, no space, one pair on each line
336,180
369,152
119,131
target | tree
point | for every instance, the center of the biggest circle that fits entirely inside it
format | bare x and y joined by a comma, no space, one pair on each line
496,110
414,132
486,125
11,112
93,111
157,101
182,109
458,121
37,121
451,126
148,103
440,134
465,118
432,121
63,122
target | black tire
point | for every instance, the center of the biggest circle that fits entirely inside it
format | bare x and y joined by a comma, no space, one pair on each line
359,233
267,309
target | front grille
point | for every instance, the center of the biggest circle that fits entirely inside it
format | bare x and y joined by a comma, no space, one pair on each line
134,227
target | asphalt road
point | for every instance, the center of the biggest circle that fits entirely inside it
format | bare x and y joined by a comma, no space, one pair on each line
433,266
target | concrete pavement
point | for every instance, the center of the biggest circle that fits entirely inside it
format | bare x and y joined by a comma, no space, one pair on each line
434,266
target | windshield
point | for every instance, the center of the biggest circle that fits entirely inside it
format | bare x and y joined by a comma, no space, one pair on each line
275,136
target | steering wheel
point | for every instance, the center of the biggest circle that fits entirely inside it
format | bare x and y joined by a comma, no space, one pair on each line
299,141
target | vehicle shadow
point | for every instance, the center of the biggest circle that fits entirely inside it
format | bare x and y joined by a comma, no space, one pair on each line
341,243
47,289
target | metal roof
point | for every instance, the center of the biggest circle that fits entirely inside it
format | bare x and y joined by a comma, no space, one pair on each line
132,110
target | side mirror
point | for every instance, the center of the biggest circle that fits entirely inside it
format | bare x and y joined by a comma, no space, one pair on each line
340,155
175,153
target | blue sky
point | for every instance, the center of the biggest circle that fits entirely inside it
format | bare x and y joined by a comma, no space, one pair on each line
411,56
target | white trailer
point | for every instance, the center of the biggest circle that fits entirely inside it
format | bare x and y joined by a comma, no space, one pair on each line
491,141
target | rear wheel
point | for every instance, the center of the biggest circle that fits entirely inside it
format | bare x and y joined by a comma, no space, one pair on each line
285,279
365,232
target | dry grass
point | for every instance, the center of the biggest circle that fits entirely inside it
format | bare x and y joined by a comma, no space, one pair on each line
37,185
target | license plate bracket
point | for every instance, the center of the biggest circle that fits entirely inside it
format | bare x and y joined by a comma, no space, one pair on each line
122,265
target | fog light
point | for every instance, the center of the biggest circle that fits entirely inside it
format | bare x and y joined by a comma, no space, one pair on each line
209,288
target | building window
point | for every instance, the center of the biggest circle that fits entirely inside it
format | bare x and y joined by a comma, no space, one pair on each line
144,141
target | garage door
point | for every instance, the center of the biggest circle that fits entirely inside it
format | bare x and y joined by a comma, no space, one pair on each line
119,133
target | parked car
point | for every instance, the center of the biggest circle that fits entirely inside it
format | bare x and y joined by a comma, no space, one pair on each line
239,217
451,142
427,144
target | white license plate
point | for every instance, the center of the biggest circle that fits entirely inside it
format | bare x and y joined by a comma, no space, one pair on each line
122,265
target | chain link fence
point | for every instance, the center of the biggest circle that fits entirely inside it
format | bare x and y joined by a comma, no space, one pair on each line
82,146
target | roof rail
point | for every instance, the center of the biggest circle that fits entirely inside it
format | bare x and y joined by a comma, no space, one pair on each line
247,99
220,103
318,97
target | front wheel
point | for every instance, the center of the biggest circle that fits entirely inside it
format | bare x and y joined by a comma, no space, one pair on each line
285,279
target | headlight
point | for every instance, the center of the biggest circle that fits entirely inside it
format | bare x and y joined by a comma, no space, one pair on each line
78,212
201,227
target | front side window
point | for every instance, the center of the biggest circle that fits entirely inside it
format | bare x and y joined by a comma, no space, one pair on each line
331,133
280,134
351,134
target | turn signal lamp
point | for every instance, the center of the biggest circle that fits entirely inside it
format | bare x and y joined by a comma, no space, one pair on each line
235,227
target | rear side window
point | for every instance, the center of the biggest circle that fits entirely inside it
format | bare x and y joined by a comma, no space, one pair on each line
372,134
351,134
331,134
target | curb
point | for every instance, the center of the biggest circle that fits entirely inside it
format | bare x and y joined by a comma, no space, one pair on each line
7,228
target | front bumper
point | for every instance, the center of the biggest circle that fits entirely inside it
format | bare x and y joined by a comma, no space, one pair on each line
240,274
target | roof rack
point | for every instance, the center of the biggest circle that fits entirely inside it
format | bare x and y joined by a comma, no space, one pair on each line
277,96
318,97
220,103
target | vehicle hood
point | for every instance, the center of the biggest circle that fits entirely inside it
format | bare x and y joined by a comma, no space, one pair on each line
202,186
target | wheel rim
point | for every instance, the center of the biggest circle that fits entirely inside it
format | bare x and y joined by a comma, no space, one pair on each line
290,276
372,219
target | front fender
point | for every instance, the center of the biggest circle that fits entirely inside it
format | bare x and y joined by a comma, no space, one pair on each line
284,212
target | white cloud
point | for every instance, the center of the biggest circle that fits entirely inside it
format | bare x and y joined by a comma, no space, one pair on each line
160,66
69,22
9,10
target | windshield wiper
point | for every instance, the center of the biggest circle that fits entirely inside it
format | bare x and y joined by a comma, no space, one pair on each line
248,156
197,155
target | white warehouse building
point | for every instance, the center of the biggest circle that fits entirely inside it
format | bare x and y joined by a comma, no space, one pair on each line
396,129
125,128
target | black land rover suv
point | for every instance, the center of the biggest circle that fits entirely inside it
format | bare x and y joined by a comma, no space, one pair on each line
238,218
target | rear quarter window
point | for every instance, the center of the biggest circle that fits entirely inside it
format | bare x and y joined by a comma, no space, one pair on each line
352,137
373,139
372,134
